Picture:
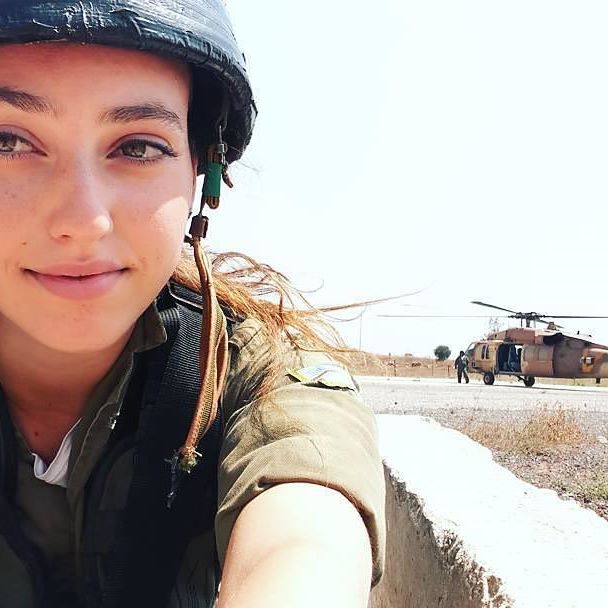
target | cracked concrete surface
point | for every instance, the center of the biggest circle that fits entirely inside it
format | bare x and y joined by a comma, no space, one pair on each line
466,533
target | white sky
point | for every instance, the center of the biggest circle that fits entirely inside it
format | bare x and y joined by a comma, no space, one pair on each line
460,147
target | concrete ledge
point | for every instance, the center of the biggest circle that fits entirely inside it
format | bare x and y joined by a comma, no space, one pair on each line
463,532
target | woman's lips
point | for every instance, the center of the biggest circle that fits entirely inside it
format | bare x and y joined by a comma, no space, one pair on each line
78,287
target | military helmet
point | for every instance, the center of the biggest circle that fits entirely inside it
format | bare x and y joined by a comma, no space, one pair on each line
197,32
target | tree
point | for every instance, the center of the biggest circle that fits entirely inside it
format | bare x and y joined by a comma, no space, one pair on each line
442,352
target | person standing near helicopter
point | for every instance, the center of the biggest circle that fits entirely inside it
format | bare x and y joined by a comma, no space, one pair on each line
461,364
161,427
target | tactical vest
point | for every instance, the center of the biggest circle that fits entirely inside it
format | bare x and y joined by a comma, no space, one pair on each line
131,556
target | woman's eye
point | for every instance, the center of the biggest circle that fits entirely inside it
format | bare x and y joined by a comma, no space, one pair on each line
13,144
143,150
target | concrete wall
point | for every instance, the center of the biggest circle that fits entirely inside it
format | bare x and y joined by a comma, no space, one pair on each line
464,532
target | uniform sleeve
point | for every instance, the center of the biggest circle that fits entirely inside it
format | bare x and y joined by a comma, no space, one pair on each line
302,431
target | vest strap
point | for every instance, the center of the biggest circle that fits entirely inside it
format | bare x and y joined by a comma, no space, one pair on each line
141,565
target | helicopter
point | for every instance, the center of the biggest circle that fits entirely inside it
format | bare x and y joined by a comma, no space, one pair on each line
530,352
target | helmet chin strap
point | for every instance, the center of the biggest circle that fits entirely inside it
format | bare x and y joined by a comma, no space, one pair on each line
213,351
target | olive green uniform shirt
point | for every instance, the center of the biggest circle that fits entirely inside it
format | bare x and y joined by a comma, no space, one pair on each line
303,431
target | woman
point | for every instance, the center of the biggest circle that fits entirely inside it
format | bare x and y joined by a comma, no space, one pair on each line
128,477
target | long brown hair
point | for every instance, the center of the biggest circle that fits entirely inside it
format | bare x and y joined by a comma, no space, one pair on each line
243,286
249,289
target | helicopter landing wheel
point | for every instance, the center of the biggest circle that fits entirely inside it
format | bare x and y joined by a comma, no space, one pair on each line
529,381
488,378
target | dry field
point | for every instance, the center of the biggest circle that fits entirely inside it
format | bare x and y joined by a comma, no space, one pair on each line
368,364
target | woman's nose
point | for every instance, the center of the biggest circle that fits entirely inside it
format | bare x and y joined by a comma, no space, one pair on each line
79,205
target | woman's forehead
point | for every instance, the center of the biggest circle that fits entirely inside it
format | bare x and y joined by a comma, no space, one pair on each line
90,83
91,67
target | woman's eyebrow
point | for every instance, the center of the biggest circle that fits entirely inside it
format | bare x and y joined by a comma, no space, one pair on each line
25,101
146,111
29,102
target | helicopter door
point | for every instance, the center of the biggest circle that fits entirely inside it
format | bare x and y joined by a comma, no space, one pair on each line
537,360
509,358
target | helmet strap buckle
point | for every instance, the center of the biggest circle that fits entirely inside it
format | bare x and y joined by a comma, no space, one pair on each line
216,171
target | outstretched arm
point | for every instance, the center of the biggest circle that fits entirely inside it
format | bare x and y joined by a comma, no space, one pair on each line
297,545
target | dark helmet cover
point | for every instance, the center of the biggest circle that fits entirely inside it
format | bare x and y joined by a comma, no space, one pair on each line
197,32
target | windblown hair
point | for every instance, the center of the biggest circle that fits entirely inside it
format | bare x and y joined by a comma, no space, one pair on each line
249,289
245,287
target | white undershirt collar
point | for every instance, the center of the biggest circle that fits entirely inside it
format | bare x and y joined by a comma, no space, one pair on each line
56,473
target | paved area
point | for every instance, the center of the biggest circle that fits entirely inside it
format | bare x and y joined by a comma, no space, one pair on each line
399,395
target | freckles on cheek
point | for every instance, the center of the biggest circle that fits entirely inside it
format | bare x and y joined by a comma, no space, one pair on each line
9,196
7,199
13,214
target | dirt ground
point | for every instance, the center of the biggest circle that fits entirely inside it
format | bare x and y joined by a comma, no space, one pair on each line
578,472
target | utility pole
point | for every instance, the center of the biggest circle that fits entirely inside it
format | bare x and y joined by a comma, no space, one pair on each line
361,327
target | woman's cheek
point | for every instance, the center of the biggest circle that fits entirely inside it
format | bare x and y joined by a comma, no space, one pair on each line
157,226
24,189
15,208
161,214
8,204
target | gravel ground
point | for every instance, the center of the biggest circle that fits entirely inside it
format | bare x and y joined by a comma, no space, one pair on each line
394,395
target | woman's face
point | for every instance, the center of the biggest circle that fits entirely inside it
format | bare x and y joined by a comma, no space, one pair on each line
96,181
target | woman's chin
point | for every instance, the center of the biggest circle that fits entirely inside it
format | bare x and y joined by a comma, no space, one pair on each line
89,339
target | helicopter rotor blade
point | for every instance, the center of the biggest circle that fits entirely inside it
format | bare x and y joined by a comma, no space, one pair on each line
445,316
573,317
492,306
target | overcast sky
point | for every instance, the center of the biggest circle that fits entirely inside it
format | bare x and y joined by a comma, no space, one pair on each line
454,146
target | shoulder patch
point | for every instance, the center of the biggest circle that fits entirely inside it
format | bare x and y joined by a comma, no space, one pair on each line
328,374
